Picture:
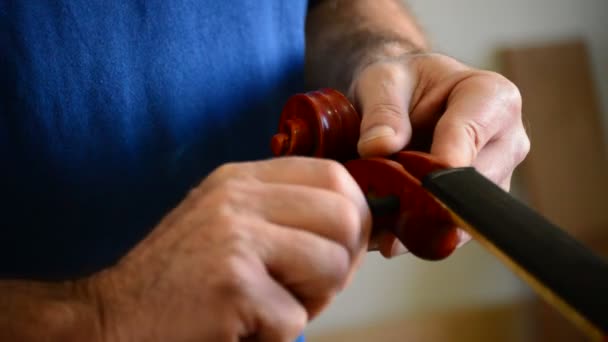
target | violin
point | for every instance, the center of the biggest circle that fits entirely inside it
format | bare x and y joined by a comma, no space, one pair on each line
424,202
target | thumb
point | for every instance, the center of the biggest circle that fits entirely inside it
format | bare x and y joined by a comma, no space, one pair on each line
383,92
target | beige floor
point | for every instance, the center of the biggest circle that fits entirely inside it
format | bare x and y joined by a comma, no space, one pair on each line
520,322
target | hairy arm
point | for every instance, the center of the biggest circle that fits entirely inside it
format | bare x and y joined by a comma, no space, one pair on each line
343,36
47,311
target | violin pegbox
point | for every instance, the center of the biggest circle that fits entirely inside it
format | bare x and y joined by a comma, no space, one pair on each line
325,124
320,124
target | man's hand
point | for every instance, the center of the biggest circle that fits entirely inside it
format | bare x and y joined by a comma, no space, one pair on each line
375,52
469,117
256,250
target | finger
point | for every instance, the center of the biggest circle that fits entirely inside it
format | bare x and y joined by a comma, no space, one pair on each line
279,315
314,172
479,110
313,268
383,92
322,212
498,159
389,246
463,237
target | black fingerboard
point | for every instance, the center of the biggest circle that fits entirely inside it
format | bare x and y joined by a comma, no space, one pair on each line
555,260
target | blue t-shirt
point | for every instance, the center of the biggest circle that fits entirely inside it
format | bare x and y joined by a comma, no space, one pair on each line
111,110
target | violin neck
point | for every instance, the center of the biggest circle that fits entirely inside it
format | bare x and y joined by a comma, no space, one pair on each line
560,268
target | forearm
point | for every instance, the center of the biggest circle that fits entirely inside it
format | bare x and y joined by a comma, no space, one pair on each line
344,35
39,311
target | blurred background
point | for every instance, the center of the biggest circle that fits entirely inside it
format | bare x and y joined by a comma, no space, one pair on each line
556,51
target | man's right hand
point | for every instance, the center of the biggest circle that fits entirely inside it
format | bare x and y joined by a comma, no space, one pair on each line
255,251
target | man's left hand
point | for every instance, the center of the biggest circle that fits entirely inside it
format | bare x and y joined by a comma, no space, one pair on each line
469,117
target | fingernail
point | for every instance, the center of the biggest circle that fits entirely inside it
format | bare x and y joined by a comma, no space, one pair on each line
376,132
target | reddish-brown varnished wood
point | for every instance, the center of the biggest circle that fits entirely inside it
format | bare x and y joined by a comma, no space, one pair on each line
325,124
321,123
424,227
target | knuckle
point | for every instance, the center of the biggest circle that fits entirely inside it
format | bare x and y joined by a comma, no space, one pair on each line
230,187
512,97
476,133
226,170
384,69
298,322
522,148
336,176
223,217
341,259
440,59
508,92
220,174
235,240
227,198
235,281
384,112
230,223
350,225
294,325
429,63
194,194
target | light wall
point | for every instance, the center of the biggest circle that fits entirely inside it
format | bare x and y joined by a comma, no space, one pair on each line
470,30
473,30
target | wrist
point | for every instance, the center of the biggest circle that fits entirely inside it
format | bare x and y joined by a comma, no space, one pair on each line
103,295
352,54
49,311
77,316
386,50
345,36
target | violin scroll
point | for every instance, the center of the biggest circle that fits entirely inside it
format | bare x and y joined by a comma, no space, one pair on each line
321,124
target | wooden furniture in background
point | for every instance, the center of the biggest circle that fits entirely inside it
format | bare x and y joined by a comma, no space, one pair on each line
565,176
566,173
